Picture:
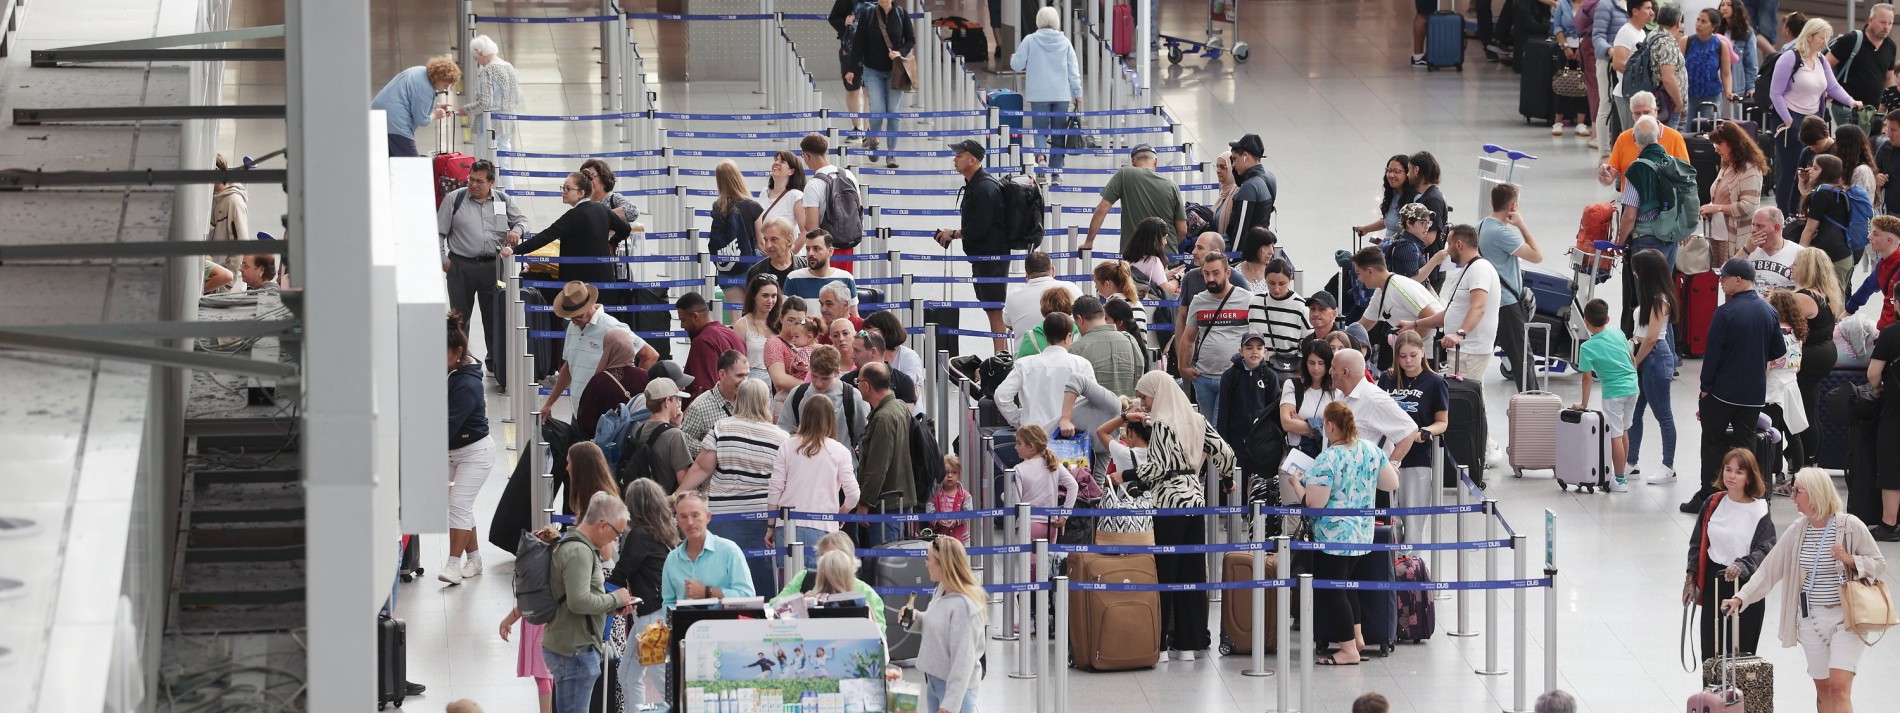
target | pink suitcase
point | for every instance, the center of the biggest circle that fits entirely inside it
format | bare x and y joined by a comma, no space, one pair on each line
1533,419
1583,451
1123,30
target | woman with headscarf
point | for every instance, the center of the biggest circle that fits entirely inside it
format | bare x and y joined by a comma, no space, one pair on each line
1181,444
615,383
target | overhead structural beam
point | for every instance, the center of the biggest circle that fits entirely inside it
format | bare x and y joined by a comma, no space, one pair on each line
14,179
53,58
35,117
142,331
155,356
261,32
83,251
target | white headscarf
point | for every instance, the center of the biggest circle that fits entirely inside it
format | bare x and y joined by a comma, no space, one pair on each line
1170,406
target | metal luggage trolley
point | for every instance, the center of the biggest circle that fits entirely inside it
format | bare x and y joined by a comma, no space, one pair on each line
1226,12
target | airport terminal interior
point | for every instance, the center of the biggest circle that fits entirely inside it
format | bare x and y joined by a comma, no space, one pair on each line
161,555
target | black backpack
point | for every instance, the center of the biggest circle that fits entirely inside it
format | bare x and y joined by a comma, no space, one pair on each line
1265,445
639,460
993,371
1765,83
1022,211
926,458
844,209
850,411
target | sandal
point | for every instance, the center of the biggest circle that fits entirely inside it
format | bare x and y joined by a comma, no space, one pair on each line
1328,660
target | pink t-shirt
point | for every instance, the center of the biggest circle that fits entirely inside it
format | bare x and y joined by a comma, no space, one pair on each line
948,501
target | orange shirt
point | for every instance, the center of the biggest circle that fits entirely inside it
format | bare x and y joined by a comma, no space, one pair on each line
1624,152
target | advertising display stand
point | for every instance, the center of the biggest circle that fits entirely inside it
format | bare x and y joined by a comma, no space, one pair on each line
728,664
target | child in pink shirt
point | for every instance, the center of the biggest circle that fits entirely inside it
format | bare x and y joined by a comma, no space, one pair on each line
951,497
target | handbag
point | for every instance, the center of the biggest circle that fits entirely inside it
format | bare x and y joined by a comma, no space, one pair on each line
1868,609
1117,498
654,641
904,68
1568,82
1692,254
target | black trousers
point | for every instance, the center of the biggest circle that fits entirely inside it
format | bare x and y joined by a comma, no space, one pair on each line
1714,590
472,284
1183,614
1718,417
1816,361
1335,611
1512,320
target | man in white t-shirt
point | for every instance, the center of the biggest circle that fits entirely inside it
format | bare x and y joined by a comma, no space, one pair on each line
1022,310
1470,319
1770,253
1395,298
1629,37
811,209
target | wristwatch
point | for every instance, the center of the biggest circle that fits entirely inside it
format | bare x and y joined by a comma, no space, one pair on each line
1461,333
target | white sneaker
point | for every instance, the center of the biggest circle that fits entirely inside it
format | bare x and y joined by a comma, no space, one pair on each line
1593,143
1667,476
1584,130
1617,485
1163,658
1185,655
451,572
471,566
1556,129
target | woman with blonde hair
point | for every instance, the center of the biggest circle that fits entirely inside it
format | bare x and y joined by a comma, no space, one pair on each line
1802,83
1818,293
735,466
1815,557
812,469
952,629
734,217
1114,280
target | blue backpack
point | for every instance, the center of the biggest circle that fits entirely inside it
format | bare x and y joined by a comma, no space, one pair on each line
730,240
611,430
1639,73
1860,212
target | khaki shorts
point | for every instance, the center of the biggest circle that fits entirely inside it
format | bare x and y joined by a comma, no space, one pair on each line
1618,414
1829,645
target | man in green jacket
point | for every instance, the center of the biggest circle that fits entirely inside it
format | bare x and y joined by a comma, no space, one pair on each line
571,643
884,460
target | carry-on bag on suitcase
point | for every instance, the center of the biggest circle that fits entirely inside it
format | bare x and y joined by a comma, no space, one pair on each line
1418,614
1445,40
1538,61
1114,631
1583,450
1236,609
392,662
1533,422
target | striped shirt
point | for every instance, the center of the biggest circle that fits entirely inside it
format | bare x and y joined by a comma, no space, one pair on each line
1823,581
1282,320
746,451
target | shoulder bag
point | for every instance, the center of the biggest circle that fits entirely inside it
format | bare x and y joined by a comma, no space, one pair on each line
904,68
1867,608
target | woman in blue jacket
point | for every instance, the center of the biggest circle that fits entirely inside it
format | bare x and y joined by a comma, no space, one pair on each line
471,454
1053,79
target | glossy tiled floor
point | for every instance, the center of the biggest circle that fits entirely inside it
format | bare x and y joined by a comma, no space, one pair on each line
1329,90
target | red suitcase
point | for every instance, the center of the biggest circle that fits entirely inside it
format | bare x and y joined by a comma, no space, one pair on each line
1123,29
451,167
1697,295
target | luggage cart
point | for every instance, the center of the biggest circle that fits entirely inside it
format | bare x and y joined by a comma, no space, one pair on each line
1225,12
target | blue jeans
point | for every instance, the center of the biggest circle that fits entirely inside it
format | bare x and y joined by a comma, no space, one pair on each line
1762,18
574,678
633,676
1207,397
750,535
933,695
1648,242
877,86
1049,122
1652,380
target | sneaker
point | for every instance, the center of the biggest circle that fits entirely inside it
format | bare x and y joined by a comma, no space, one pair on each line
1556,129
1184,655
1886,533
1584,130
411,688
1163,658
1667,476
1493,48
451,572
1593,143
1618,485
890,162
471,566
1418,60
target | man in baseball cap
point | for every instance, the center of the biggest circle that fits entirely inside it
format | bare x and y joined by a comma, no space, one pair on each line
971,147
1143,194
1253,201
983,230
1248,390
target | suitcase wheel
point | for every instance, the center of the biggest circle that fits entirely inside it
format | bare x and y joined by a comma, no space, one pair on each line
1385,649
1517,473
1226,648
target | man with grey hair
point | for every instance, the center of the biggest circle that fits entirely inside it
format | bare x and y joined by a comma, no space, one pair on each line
571,643
1555,702
838,301
472,224
1381,420
1624,152
1644,196
1863,60
1771,254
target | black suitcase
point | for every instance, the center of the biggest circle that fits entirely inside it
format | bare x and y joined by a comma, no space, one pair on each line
901,572
1833,417
1863,449
1706,162
1378,609
1468,435
411,558
1538,61
967,40
950,318
392,663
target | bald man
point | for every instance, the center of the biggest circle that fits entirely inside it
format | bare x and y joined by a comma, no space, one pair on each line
1380,419
1193,283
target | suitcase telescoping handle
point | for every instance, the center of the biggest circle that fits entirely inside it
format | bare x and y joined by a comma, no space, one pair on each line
1530,357
442,125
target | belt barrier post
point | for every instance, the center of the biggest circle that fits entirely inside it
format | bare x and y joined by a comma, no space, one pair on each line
607,57
893,262
1033,623
1258,642
1305,649
1550,607
942,377
909,287
1210,560
632,97
1491,667
1283,622
787,533
710,277
798,556
1078,265
921,30
1005,566
978,469
766,45
511,316
1464,602
1520,687
683,211
1438,499
539,463
916,311
1061,638
465,27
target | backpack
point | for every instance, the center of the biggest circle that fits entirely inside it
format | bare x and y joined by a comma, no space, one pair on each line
1152,296
1679,215
534,579
638,460
1639,73
1265,444
1022,211
1860,211
734,241
844,209
1595,226
993,371
1200,219
850,411
1765,83
926,458
1860,38
612,427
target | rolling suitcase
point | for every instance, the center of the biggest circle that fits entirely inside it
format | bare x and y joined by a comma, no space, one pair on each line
1445,40
1538,61
1418,615
901,572
1583,451
1236,610
1378,609
1533,423
1833,418
451,167
392,662
547,350
1114,631
1006,100
1724,696
1123,30
1703,157
1856,404
411,558
1696,294
1469,431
